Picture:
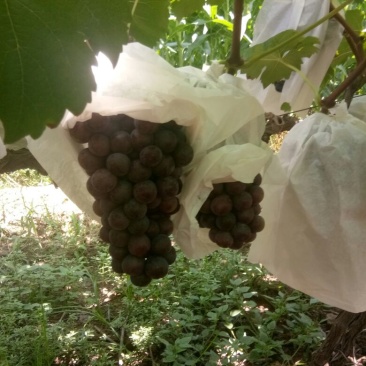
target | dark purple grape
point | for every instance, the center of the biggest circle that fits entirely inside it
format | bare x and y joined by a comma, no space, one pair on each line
237,245
257,209
139,245
107,205
116,265
217,189
171,255
160,244
146,127
156,267
165,167
145,192
89,162
242,201
221,205
139,227
93,191
154,204
183,154
252,237
153,229
121,142
102,124
224,239
166,225
212,234
235,188
103,180
118,220
139,140
178,172
169,205
104,234
99,145
119,238
206,220
257,180
241,232
150,156
257,193
123,122
134,210
133,265
118,252
80,133
172,125
257,224
104,221
118,164
166,140
138,172
245,216
96,208
167,187
141,280
122,192
226,222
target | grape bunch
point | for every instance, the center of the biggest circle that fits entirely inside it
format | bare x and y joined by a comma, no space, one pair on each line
231,212
135,170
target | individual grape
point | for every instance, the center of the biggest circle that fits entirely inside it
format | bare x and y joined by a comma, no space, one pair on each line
217,189
103,180
170,256
224,239
156,267
237,245
98,145
241,232
160,244
139,227
141,280
121,142
206,220
252,237
257,180
242,201
134,210
257,224
235,188
97,209
123,122
226,222
80,133
257,209
89,162
212,234
154,204
122,192
107,205
118,220
245,216
146,127
138,172
165,168
119,238
169,205
221,205
133,265
167,187
166,140
183,154
257,193
104,234
150,156
172,125
145,191
118,252
139,245
101,124
139,140
153,229
93,191
104,221
116,265
118,164
166,225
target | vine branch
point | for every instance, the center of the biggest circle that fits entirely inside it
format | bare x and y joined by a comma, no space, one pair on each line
235,61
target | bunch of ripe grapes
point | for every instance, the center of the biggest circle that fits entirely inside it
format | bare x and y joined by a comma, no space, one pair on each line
231,212
134,170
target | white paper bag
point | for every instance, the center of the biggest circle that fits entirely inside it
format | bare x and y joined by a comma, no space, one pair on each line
315,211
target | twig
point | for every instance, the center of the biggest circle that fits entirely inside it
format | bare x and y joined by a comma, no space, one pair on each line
235,61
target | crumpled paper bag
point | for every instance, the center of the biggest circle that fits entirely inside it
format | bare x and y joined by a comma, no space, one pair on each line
144,86
315,211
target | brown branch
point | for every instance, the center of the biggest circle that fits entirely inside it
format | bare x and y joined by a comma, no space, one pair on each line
235,61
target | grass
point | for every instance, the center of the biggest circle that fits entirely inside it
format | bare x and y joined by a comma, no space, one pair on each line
60,304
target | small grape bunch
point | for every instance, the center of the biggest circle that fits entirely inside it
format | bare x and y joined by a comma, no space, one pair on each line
231,212
135,170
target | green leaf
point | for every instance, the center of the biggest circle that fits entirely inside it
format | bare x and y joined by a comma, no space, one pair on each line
184,8
44,66
276,58
355,18
150,20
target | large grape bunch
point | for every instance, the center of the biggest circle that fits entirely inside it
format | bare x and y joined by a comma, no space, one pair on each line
231,212
134,170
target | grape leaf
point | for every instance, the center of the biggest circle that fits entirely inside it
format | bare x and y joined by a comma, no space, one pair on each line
355,18
149,20
279,63
184,8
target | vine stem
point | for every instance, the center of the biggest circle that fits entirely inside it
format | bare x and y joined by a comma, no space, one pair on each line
299,34
235,61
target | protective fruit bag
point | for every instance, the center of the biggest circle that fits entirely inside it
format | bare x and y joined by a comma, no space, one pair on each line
211,111
315,211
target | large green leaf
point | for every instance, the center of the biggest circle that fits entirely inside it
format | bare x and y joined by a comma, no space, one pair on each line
149,20
271,63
